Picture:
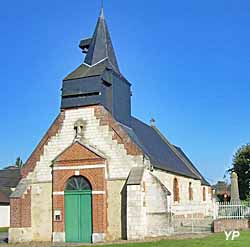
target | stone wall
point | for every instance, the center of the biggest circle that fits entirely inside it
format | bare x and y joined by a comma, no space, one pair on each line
19,235
116,222
185,205
221,225
144,214
103,134
41,205
158,216
136,212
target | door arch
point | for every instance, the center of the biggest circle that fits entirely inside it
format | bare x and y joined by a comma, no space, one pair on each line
78,210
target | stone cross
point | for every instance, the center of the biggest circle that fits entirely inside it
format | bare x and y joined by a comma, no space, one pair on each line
152,122
235,198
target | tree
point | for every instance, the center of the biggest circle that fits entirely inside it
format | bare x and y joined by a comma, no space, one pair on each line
241,165
19,162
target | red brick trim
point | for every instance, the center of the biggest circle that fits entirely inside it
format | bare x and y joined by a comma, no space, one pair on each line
221,225
96,177
36,154
118,133
78,154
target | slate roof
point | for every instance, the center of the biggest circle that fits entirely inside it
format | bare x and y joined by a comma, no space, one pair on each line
85,71
21,188
100,62
135,176
162,154
9,178
100,54
203,180
101,46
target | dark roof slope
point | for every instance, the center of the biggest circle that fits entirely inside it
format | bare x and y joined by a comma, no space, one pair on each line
162,154
4,199
9,178
101,46
85,71
203,180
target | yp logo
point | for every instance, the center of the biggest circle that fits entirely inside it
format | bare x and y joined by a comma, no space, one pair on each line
232,235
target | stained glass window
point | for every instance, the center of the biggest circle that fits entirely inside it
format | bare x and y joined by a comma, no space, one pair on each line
78,183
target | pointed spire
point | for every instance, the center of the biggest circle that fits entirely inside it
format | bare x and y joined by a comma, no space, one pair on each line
102,13
102,10
100,47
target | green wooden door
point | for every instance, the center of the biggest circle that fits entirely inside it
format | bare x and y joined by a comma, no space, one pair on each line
78,216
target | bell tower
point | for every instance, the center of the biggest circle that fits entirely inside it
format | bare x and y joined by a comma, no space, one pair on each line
98,81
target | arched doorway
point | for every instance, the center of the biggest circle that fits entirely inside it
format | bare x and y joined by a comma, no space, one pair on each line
78,210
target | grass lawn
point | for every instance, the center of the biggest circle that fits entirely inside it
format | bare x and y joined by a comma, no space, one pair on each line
4,229
215,240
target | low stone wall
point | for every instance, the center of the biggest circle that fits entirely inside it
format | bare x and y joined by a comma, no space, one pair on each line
222,225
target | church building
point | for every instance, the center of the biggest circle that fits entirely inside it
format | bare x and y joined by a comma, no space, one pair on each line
100,174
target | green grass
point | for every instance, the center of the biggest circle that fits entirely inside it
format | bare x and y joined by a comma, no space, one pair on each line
215,240
4,229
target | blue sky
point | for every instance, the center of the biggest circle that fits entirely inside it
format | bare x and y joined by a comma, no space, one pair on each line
188,62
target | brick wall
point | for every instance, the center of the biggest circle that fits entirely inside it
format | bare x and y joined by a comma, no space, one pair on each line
20,211
76,155
118,133
96,177
222,225
36,154
101,132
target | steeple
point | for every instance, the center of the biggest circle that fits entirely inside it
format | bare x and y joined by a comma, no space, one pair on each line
99,47
98,81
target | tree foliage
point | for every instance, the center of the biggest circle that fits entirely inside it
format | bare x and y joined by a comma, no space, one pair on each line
19,162
241,165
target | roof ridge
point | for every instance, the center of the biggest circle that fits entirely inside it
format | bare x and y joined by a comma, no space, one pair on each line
174,150
179,150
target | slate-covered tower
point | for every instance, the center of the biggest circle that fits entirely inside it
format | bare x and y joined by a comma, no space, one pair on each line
98,80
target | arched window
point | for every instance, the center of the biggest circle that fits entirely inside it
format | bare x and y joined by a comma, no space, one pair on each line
190,192
78,183
176,191
204,194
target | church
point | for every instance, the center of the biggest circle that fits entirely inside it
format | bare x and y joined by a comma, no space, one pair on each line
99,174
